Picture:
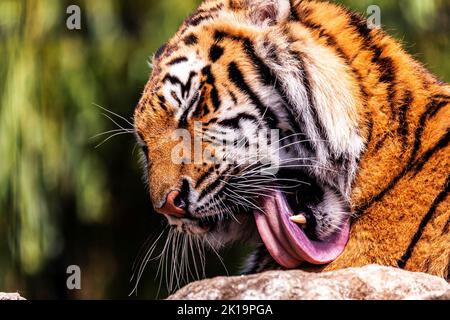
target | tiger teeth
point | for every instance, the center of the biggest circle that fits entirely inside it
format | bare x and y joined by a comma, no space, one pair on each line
299,219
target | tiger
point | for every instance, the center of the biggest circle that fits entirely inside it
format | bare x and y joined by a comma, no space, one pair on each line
359,172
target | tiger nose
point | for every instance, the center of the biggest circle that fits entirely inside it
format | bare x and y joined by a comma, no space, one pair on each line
175,205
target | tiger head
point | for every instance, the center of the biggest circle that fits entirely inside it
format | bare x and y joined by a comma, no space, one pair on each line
243,126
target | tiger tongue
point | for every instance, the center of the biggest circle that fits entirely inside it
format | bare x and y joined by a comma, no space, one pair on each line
285,239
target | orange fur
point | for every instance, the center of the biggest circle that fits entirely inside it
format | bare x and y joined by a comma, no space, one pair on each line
400,194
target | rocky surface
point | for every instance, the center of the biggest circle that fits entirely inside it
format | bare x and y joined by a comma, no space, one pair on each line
367,283
10,296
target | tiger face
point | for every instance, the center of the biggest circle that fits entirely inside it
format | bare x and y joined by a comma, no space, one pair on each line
281,122
196,131
211,143
274,148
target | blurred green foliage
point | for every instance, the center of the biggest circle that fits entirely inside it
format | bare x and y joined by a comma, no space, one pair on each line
63,201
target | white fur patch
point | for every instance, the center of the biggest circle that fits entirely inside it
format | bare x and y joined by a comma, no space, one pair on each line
330,214
182,71
334,99
272,10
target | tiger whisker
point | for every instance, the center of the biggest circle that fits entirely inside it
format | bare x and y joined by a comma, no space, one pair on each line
239,196
162,262
218,256
280,161
229,211
109,138
111,131
191,246
116,123
115,114
189,274
236,200
145,260
201,250
173,267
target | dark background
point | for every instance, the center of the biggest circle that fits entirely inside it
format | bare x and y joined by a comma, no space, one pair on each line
65,202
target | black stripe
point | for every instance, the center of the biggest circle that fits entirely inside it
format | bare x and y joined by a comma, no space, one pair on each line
160,51
232,171
205,109
171,79
380,195
385,65
425,220
403,129
447,225
220,35
417,144
201,15
196,19
294,13
312,108
443,142
177,60
204,177
441,96
144,147
183,119
263,70
184,195
221,189
233,96
331,40
432,108
213,120
215,52
268,79
236,76
201,105
211,81
210,187
370,129
190,40
162,102
210,10
303,18
256,260
185,88
438,107
175,97
233,123
194,100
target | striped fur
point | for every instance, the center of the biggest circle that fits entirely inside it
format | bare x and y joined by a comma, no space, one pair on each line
367,123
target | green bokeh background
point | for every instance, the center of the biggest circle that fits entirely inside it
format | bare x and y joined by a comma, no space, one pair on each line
64,202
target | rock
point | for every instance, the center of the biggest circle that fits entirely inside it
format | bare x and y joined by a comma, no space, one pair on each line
367,283
10,296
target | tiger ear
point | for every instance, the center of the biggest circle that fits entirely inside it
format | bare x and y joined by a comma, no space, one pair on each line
269,11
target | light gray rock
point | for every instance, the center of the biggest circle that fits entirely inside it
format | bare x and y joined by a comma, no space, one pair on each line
10,296
367,283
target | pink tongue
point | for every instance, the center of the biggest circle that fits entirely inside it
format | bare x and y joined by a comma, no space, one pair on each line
286,241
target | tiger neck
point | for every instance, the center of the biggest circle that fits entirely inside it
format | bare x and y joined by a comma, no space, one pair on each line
372,99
